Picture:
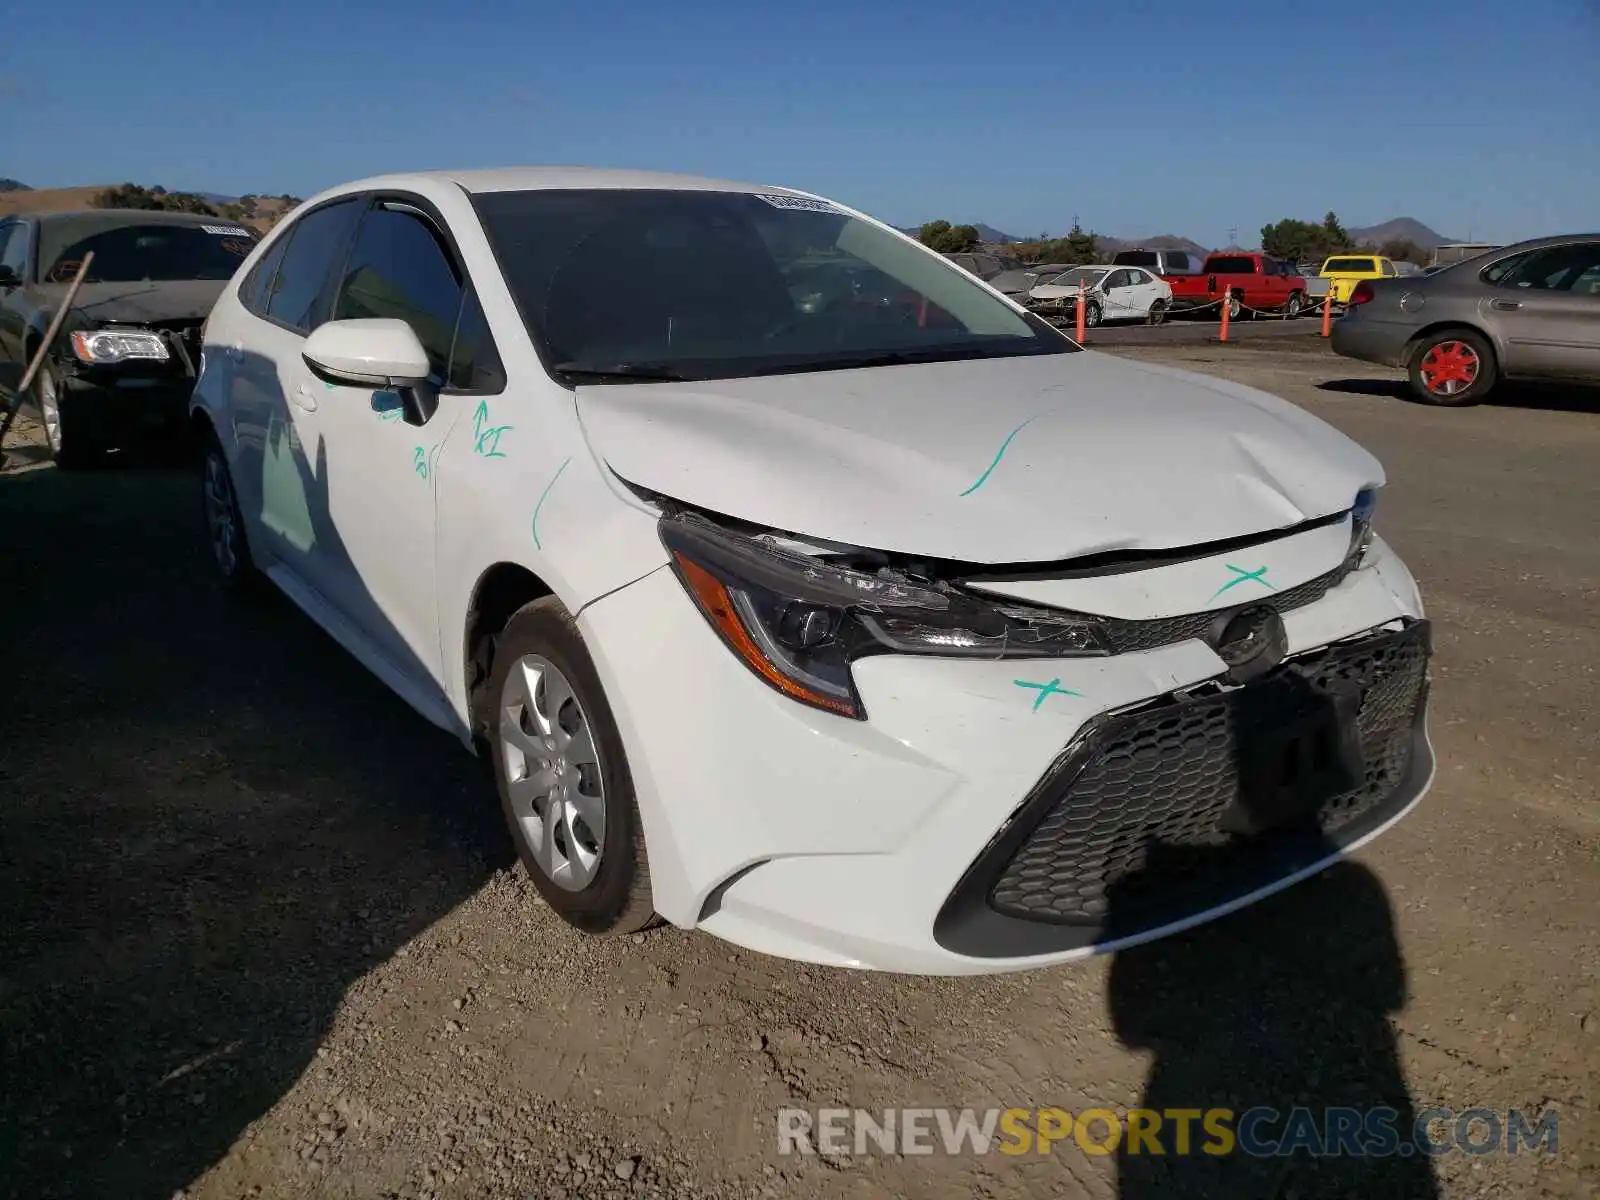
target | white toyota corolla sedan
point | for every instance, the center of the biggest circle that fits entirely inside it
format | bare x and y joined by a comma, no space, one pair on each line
803,589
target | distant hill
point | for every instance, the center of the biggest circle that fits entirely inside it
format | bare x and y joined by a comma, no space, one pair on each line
1161,241
11,185
986,233
1401,228
47,200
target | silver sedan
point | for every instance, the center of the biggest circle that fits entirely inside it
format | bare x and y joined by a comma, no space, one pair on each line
1528,311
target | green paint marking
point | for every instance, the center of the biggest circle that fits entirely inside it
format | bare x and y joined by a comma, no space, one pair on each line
420,461
999,454
534,524
490,438
1243,576
1046,690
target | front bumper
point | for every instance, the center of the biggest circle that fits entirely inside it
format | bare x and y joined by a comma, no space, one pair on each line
112,409
889,843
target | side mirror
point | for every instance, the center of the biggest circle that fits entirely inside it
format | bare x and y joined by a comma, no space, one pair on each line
375,352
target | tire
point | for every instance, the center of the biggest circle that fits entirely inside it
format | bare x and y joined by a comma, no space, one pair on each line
1459,358
64,437
1291,310
1157,314
225,528
595,880
1235,307
1091,315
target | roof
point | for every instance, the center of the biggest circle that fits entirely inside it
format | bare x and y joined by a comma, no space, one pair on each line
521,179
107,217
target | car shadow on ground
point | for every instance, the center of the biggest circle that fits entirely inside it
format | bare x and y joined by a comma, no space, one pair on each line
1277,1014
214,822
1552,397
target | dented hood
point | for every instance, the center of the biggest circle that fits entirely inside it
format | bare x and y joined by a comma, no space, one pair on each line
1011,460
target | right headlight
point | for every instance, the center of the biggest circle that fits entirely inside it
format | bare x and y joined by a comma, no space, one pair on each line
1361,514
799,622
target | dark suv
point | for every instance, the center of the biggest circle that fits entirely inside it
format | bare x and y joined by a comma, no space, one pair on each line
129,351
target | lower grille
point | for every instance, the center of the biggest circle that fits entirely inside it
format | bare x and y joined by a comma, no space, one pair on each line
1180,807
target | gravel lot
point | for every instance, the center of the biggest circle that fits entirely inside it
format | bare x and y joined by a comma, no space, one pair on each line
262,935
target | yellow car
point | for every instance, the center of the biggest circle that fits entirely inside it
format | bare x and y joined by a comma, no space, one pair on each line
1344,271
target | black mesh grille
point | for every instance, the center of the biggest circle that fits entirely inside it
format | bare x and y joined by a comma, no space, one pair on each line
1128,636
1180,776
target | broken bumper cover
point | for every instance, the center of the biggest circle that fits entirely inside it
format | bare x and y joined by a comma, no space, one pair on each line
938,835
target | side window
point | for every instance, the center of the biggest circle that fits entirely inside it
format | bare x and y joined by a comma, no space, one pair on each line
474,362
299,296
14,247
1555,268
398,269
257,286
1387,267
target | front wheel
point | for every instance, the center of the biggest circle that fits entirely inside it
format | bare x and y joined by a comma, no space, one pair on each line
1453,367
68,444
230,549
1091,315
1235,307
563,776
1292,309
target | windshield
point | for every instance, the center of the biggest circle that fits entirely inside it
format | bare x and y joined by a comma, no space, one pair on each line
668,284
136,253
1089,276
1355,265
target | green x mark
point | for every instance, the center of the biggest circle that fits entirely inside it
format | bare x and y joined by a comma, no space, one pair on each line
1046,690
1243,576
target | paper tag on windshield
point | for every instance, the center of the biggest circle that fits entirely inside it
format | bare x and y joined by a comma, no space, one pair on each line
226,230
804,203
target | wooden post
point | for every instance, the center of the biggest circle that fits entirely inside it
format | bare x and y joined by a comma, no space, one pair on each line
44,346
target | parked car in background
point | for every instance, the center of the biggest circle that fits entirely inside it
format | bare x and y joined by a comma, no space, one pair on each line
1527,311
775,623
127,354
985,266
1019,281
1165,263
1109,294
1249,283
1344,271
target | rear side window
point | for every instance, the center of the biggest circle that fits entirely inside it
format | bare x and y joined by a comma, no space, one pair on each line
1178,263
1225,264
257,285
300,296
1557,269
400,268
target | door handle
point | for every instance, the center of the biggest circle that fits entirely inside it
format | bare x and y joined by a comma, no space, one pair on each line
1506,305
304,397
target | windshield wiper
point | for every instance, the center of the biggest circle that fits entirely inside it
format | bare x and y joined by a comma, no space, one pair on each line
620,373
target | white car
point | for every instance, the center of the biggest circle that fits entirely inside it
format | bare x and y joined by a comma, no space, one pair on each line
899,633
1110,294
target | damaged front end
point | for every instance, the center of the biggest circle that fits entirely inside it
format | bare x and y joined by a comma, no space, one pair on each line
799,613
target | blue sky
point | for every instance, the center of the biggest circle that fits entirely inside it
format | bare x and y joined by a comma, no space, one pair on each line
1479,117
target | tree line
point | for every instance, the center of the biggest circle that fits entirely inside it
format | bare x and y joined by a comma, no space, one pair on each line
1289,239
158,199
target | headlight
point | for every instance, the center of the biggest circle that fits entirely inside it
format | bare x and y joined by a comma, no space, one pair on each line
118,345
1361,526
799,623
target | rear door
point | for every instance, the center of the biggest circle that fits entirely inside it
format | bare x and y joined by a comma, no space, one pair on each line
1545,313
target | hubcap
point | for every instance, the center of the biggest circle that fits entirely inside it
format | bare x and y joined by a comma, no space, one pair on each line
1449,368
1091,315
552,772
1294,306
219,515
49,410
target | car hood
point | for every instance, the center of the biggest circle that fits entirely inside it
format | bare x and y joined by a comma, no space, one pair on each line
137,303
1031,459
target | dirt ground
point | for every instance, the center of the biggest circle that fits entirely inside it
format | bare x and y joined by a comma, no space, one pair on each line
260,934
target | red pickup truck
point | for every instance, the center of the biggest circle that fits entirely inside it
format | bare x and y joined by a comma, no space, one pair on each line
1251,283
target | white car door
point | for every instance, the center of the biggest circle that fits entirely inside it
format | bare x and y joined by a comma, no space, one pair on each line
383,465
1145,290
1119,293
272,397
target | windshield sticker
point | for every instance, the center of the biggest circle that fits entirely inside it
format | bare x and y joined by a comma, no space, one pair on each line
226,230
803,203
999,454
1046,690
537,544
